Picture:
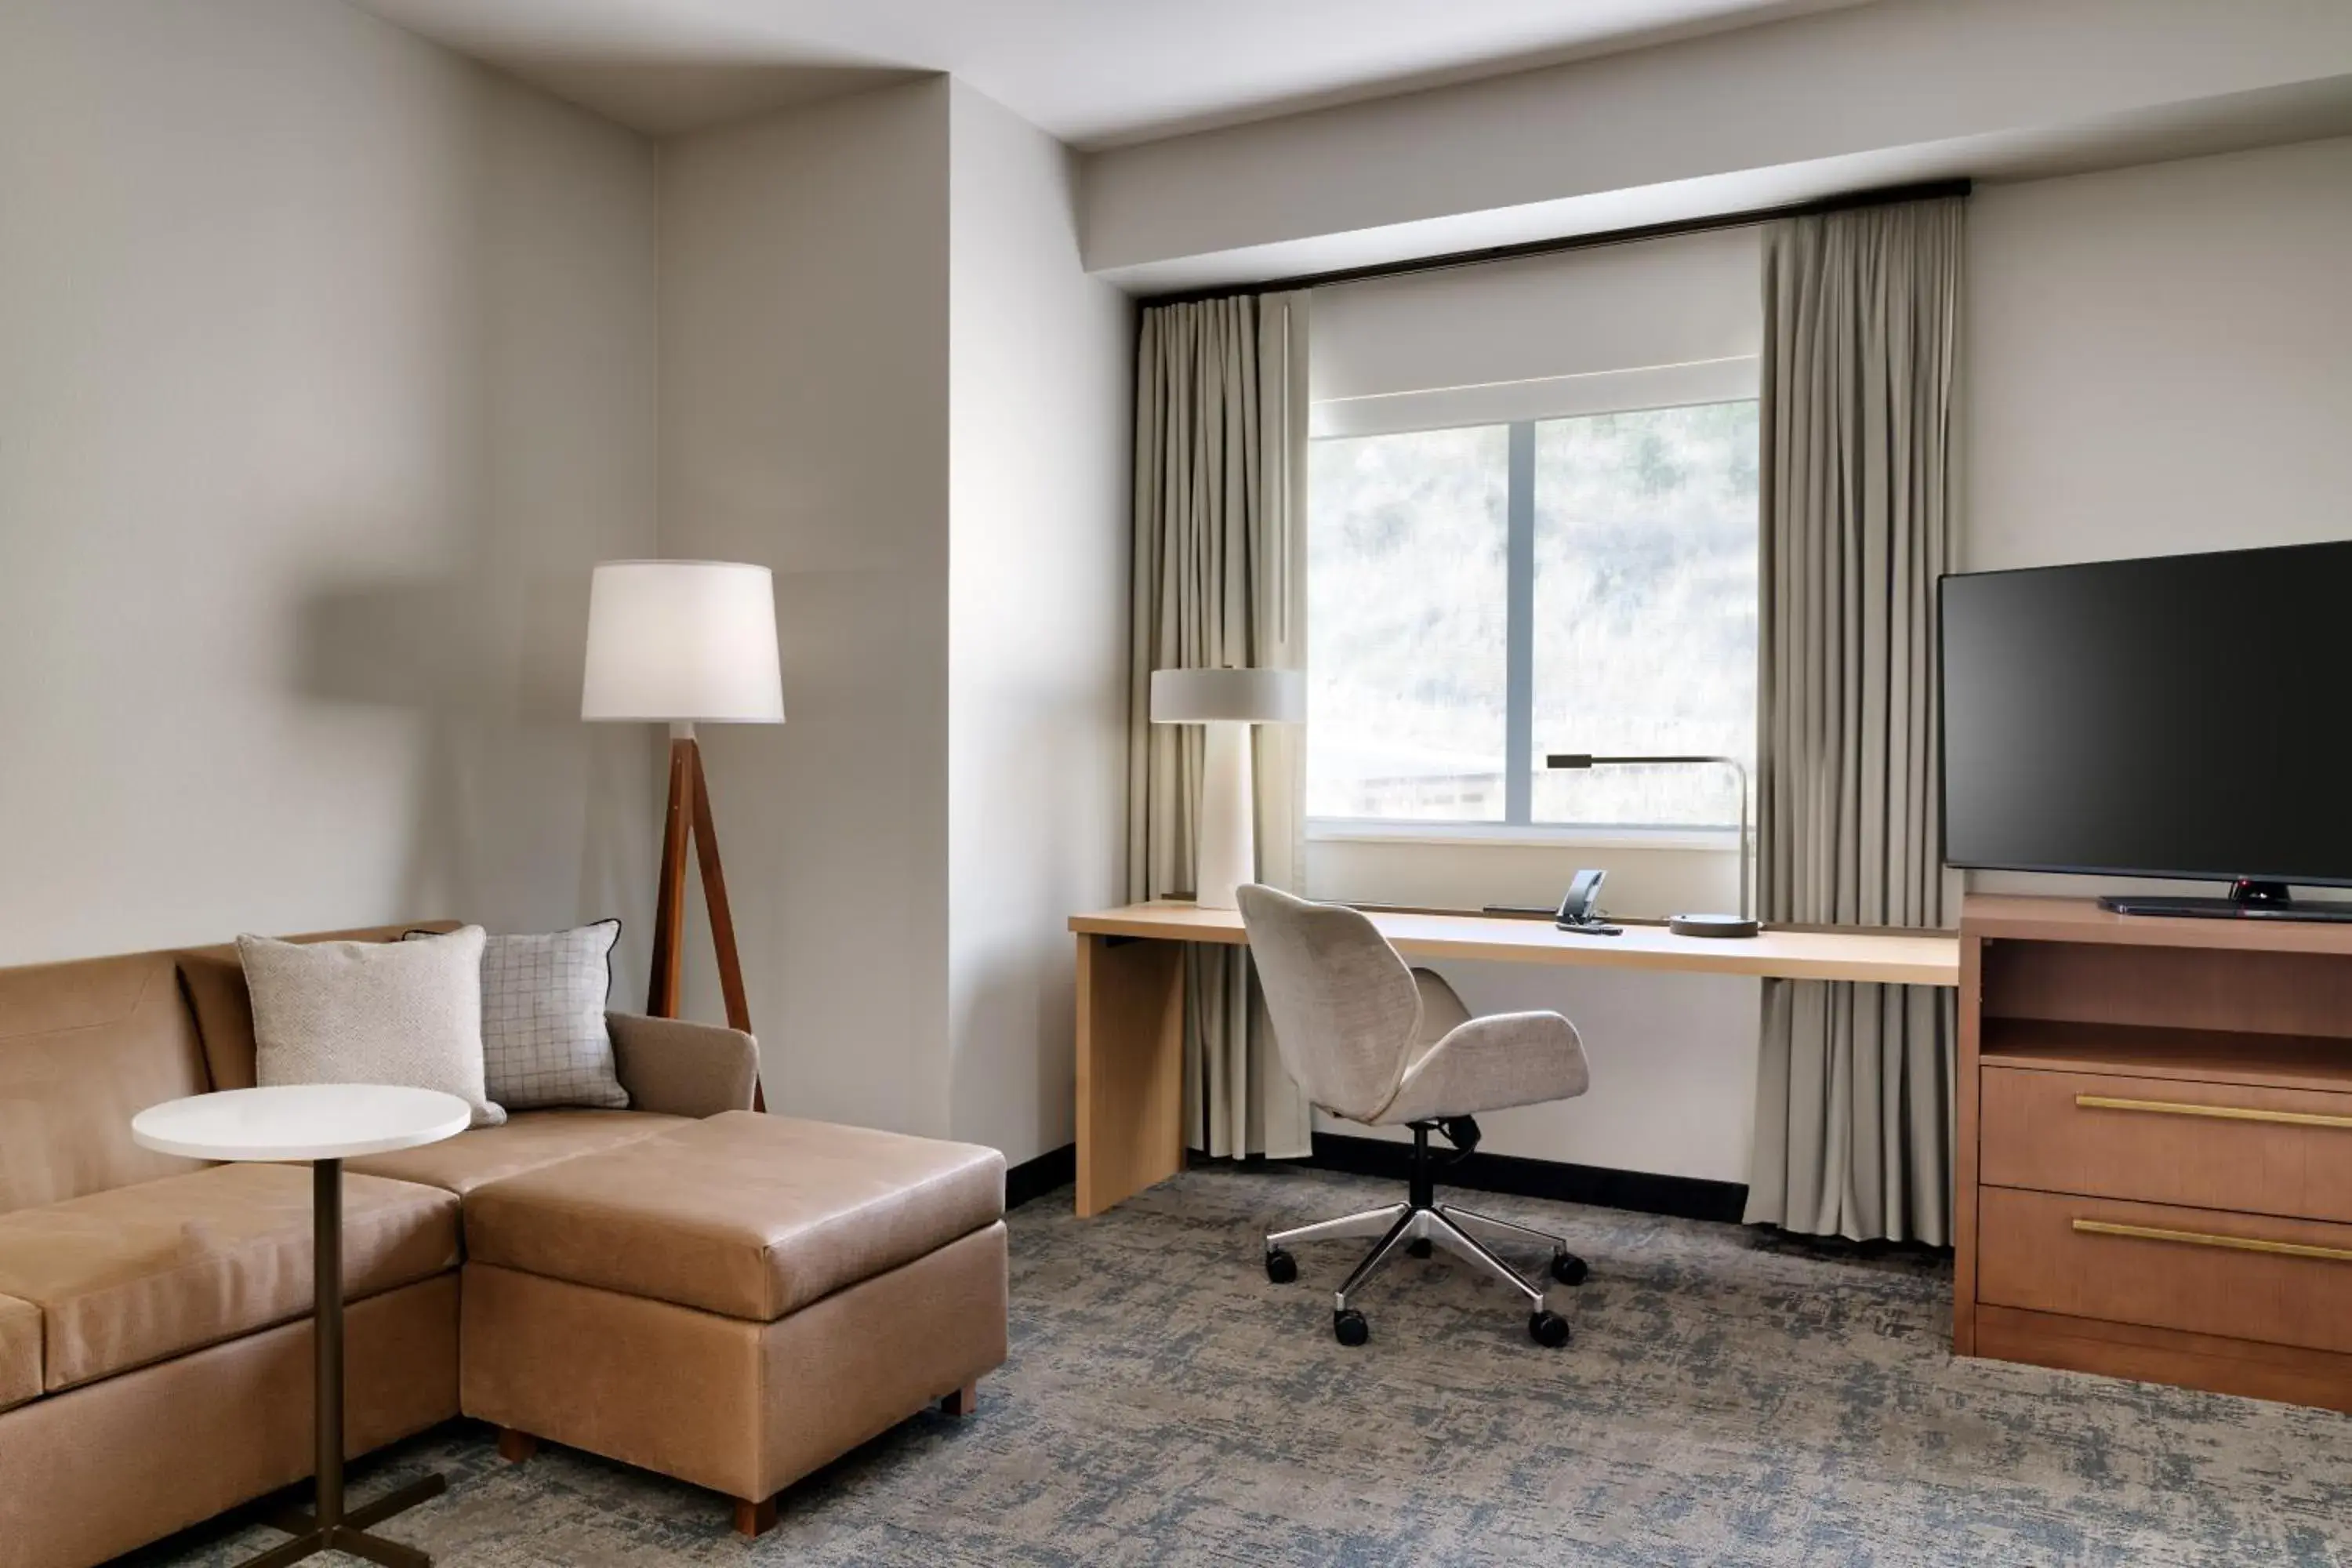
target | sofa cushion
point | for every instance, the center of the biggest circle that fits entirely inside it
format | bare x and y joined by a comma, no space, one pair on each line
133,1276
528,1140
85,1046
20,1351
744,1213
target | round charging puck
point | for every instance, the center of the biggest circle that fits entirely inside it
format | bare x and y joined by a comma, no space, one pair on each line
1710,925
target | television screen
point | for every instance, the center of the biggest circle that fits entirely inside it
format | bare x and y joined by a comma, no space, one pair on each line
2184,716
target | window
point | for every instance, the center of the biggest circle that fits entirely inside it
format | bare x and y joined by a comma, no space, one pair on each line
1477,597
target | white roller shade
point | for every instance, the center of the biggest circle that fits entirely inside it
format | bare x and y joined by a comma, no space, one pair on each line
1647,325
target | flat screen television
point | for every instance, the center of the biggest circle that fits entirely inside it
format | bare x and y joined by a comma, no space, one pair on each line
2187,716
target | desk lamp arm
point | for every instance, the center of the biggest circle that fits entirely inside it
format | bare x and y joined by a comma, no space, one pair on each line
1738,768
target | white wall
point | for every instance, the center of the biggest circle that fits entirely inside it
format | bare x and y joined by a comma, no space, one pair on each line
327,374
1870,94
2157,364
805,279
2160,359
885,375
1039,376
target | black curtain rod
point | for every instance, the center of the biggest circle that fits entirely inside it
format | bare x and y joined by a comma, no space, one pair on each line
1886,196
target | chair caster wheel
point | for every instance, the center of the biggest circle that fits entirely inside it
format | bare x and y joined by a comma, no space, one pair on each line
1280,1267
1347,1326
1547,1328
1419,1247
1570,1270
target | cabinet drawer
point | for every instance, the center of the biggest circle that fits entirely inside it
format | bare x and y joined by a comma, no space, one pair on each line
2213,1145
2249,1276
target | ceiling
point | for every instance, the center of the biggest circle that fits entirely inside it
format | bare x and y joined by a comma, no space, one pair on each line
1093,72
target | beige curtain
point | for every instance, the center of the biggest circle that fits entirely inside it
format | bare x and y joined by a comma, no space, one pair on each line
1854,1098
1220,580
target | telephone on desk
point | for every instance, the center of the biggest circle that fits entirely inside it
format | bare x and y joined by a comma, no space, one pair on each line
1581,911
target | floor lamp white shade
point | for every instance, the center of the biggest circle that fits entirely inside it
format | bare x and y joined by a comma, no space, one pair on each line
1228,701
682,642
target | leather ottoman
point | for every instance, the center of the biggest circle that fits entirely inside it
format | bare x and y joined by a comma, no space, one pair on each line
734,1303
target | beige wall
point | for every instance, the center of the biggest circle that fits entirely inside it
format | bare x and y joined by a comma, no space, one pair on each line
2158,363
1874,94
885,375
1040,378
328,370
2160,359
334,362
804,426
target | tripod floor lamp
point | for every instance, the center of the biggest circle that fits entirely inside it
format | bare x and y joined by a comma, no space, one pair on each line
685,643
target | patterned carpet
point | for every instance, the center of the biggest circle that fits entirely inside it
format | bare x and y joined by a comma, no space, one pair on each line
1724,1401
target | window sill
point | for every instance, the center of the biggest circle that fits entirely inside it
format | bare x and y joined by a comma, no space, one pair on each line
1333,830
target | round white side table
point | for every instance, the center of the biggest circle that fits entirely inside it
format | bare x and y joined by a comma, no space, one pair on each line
323,1123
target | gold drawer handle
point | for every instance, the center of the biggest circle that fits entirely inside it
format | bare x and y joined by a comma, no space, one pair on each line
2220,1112
2201,1239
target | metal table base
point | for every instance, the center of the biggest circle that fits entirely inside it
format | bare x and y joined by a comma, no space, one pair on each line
330,1527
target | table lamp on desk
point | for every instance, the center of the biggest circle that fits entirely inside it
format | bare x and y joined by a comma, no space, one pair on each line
1744,922
1228,701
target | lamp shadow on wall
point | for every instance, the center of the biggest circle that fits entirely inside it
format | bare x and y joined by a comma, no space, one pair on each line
523,817
534,403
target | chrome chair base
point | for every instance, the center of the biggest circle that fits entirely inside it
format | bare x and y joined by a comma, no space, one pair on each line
1424,1220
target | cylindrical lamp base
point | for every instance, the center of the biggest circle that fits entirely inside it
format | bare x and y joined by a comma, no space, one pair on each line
1228,837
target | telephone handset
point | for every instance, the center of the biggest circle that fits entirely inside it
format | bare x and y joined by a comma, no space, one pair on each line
1581,911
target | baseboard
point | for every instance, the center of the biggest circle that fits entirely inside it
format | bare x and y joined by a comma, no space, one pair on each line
1643,1192
1035,1178
1640,1192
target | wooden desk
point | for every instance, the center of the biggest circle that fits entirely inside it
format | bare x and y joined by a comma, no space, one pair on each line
1132,1002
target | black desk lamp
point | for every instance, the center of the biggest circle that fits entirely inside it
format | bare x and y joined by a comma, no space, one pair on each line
1742,924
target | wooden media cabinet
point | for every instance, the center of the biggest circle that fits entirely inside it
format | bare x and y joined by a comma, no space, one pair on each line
2154,1174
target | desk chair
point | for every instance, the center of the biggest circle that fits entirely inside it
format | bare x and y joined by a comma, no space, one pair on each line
1375,1041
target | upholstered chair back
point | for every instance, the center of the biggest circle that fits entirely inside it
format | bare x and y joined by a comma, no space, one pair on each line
1346,1010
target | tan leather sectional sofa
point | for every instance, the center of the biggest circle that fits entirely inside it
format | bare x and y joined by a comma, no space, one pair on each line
729,1298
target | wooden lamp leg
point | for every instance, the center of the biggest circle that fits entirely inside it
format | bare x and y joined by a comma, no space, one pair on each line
669,901
690,818
714,897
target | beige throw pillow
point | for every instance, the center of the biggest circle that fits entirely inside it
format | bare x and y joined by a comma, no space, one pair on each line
407,1013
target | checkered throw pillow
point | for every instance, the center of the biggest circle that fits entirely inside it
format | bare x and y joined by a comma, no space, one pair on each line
543,1038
